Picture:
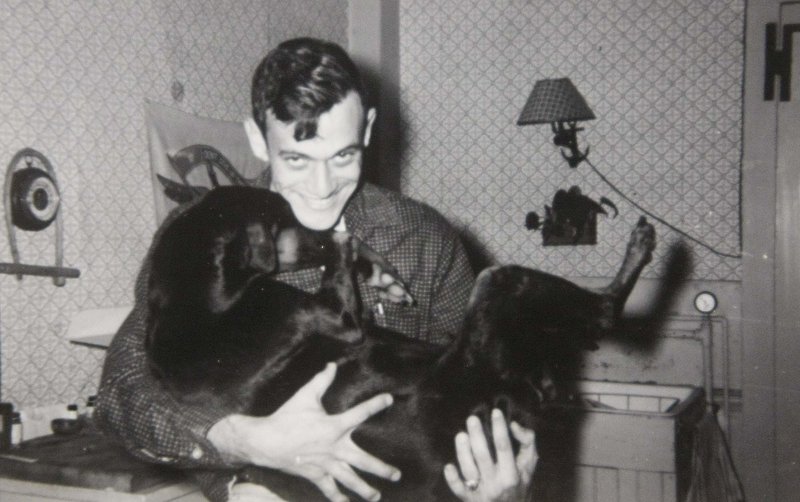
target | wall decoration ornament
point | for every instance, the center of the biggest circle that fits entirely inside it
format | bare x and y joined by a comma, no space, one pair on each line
190,154
32,202
205,158
571,219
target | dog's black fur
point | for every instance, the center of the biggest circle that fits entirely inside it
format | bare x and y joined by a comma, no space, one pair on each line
222,331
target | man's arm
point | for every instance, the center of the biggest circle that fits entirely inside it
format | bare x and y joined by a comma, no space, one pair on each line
299,438
452,286
134,408
154,426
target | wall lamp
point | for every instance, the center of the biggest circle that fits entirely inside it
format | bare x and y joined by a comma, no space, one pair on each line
556,101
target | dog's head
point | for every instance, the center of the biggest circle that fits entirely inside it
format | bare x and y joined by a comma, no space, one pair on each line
214,262
207,256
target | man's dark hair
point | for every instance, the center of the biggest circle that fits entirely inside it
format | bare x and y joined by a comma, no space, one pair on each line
300,80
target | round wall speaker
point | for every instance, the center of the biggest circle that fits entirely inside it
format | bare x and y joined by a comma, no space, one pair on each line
34,199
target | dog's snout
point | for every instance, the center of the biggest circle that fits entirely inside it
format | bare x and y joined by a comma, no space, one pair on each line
353,336
287,244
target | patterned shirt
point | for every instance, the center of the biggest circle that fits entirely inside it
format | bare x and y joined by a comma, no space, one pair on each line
418,241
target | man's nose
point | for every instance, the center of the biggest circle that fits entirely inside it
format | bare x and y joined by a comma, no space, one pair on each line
321,182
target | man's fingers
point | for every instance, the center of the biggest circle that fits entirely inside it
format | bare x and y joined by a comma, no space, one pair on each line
454,481
327,486
502,442
466,460
480,448
526,437
360,412
320,383
347,477
363,461
527,457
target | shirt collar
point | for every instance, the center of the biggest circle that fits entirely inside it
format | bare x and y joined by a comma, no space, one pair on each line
371,207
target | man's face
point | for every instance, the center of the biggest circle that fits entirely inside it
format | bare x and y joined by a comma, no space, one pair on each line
318,175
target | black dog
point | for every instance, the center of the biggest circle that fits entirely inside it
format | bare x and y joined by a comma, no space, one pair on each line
222,330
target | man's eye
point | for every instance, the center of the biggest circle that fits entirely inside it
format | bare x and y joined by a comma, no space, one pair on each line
344,158
296,161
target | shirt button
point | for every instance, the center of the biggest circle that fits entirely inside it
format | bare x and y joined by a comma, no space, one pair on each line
197,453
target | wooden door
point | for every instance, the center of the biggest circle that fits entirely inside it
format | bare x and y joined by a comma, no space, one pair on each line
787,272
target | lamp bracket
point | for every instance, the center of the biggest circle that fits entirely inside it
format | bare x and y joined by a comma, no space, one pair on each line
778,61
566,137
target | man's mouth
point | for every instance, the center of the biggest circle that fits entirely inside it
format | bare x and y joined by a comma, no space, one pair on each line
320,204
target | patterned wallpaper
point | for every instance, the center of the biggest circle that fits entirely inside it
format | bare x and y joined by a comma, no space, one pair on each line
663,77
74,77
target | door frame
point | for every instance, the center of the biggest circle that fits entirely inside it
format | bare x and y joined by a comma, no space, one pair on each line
759,469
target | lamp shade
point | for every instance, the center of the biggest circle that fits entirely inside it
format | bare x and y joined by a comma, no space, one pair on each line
554,100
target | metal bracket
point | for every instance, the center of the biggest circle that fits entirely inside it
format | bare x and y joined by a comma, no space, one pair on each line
779,61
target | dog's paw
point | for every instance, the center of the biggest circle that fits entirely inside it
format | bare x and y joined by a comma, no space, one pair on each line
643,241
381,275
389,285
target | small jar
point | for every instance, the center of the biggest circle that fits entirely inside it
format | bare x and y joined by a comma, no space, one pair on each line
72,411
6,410
16,428
90,402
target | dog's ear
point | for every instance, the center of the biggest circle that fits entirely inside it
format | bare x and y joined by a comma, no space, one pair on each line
248,251
260,253
238,257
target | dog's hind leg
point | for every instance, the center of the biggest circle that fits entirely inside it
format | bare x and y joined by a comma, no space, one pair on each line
638,254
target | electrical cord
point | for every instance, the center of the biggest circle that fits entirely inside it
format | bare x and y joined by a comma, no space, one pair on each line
660,220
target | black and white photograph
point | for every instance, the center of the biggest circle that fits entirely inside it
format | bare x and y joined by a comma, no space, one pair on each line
400,250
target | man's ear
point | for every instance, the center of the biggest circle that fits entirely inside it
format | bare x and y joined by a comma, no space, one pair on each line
370,120
257,142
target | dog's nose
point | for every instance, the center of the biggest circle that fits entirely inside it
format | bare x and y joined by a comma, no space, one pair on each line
353,336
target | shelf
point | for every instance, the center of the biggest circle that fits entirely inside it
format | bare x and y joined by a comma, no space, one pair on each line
96,327
21,269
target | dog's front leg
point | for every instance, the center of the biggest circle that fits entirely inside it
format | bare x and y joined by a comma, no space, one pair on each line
338,290
380,274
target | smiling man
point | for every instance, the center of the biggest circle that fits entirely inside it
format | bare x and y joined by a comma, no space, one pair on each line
317,175
311,124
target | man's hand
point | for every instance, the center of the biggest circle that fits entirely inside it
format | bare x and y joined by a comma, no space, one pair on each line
508,479
300,438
